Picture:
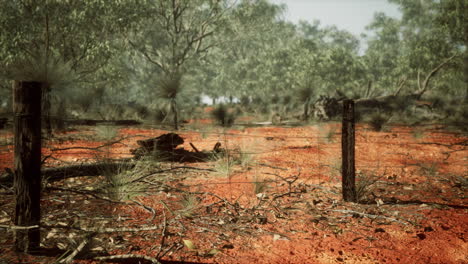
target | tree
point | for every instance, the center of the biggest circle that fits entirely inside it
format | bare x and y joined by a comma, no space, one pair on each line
453,18
177,33
60,43
49,43
412,49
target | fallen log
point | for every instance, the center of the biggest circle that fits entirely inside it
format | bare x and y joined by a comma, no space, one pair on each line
165,142
60,173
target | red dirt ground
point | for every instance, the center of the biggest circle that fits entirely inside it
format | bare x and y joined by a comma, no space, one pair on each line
414,210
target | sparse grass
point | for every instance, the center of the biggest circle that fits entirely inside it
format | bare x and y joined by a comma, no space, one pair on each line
418,133
327,134
241,157
106,133
189,203
122,184
429,169
224,166
260,185
228,159
365,182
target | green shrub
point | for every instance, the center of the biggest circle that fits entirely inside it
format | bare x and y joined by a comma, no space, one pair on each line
223,116
377,121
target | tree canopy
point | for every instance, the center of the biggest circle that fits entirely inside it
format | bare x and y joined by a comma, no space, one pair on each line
124,51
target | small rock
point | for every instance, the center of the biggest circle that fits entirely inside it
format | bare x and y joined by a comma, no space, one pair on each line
279,237
315,202
379,230
428,229
228,246
421,236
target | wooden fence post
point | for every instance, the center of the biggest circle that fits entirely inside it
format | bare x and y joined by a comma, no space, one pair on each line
27,98
347,148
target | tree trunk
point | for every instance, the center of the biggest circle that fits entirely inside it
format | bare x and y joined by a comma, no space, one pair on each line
174,110
46,109
465,64
347,147
306,110
27,179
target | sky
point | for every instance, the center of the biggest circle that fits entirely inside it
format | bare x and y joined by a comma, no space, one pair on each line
352,15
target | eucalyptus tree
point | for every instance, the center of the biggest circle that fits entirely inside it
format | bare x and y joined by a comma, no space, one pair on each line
178,33
414,48
242,65
452,17
61,43
52,42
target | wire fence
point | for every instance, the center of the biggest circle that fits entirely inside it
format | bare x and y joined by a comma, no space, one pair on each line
311,149
418,164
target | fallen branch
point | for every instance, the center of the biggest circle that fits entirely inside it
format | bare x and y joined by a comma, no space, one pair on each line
163,234
15,227
60,173
371,216
103,230
80,247
83,192
151,210
194,148
129,257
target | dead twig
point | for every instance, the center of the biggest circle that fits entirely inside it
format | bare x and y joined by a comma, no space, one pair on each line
83,192
15,227
151,210
194,148
99,230
130,257
371,216
78,249
163,235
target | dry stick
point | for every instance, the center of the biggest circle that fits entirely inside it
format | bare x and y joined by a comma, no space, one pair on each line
85,193
200,193
163,235
14,227
194,148
273,167
95,148
101,230
80,247
167,170
371,216
151,210
129,256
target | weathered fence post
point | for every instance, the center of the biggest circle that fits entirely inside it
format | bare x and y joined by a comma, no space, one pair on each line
27,180
347,148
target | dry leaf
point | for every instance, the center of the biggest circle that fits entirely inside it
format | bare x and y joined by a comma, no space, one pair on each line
189,244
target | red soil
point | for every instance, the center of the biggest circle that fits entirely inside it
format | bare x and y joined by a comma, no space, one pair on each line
415,212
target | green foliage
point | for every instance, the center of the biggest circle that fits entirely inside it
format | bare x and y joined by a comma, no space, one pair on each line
106,133
97,53
170,86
